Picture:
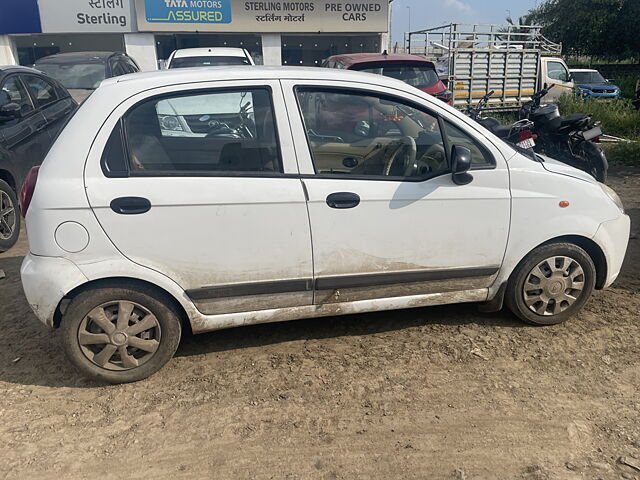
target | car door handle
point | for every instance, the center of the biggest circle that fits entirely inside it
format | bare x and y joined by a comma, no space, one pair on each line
130,205
343,200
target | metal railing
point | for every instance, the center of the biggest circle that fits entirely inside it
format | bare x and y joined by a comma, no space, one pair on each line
438,41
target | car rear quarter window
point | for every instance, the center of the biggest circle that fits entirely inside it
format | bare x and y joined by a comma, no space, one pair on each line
43,91
205,133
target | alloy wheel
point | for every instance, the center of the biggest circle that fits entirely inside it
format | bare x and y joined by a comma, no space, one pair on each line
8,216
553,285
119,335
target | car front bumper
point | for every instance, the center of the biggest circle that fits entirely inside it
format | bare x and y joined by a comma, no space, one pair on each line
613,238
46,280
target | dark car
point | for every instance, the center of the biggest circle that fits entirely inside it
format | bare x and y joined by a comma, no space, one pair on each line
82,72
411,69
33,109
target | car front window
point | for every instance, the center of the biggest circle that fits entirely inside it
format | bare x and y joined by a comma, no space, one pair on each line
588,77
188,62
75,76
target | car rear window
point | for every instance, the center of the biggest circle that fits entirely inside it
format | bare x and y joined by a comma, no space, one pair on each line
84,76
187,62
416,75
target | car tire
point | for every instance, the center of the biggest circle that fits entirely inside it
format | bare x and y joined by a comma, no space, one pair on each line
551,284
121,334
9,219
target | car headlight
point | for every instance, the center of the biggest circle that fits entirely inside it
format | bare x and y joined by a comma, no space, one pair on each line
170,122
615,198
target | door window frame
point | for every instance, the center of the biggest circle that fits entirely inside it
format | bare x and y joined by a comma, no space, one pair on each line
121,124
384,178
35,108
32,93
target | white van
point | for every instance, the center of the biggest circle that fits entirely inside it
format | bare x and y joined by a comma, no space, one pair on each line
296,193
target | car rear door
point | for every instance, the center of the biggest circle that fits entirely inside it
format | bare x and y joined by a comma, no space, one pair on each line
53,101
25,138
205,190
377,230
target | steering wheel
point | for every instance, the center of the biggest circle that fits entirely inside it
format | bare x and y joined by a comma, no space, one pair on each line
433,160
407,145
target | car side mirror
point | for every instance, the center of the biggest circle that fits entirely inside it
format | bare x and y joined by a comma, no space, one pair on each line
460,165
10,111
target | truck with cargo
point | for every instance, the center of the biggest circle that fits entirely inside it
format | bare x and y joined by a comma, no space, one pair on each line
514,61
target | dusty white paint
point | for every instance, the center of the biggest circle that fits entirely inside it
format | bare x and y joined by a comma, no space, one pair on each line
223,230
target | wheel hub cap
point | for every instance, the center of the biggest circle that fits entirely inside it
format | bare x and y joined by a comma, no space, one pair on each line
119,338
119,335
7,217
553,285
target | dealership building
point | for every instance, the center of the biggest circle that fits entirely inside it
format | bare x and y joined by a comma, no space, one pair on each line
275,32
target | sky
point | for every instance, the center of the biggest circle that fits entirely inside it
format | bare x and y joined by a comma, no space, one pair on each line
433,13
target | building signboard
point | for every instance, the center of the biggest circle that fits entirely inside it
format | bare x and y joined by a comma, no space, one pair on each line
311,16
87,16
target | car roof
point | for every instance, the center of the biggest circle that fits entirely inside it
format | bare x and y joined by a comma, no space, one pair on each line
4,69
355,58
75,57
137,82
210,52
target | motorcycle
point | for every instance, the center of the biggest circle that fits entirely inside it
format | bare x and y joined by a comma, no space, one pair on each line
568,139
519,133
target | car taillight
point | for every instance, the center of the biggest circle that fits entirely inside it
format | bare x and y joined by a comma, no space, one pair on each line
28,187
525,135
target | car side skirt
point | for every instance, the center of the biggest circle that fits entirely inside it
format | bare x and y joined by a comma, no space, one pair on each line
207,323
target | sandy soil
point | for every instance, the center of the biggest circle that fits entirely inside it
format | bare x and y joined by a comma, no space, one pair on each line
429,393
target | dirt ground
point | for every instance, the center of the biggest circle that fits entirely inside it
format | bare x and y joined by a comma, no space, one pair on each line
443,392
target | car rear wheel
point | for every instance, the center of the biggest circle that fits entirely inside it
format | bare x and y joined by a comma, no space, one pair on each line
120,335
9,217
551,284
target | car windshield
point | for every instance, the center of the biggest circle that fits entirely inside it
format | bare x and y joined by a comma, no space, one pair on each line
588,77
187,62
85,76
416,75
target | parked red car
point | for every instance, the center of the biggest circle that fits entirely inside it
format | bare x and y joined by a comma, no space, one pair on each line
411,69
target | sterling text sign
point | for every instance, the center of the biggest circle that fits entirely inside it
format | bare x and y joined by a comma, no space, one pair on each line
86,16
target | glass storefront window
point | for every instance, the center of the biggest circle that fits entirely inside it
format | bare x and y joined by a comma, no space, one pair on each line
32,47
311,50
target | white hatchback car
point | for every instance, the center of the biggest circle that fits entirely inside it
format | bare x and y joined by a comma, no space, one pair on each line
209,57
295,193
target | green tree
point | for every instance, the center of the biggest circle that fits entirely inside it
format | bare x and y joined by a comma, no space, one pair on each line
602,28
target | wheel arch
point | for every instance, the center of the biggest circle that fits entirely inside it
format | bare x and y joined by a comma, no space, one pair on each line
592,249
119,282
9,179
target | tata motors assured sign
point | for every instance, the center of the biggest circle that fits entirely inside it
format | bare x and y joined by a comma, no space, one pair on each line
263,16
86,16
188,11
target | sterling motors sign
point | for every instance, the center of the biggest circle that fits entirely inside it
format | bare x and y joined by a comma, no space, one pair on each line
86,16
311,16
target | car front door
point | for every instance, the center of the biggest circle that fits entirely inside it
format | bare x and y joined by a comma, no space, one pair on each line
23,135
555,72
205,190
387,220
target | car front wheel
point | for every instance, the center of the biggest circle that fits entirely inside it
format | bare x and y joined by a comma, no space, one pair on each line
120,335
551,284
